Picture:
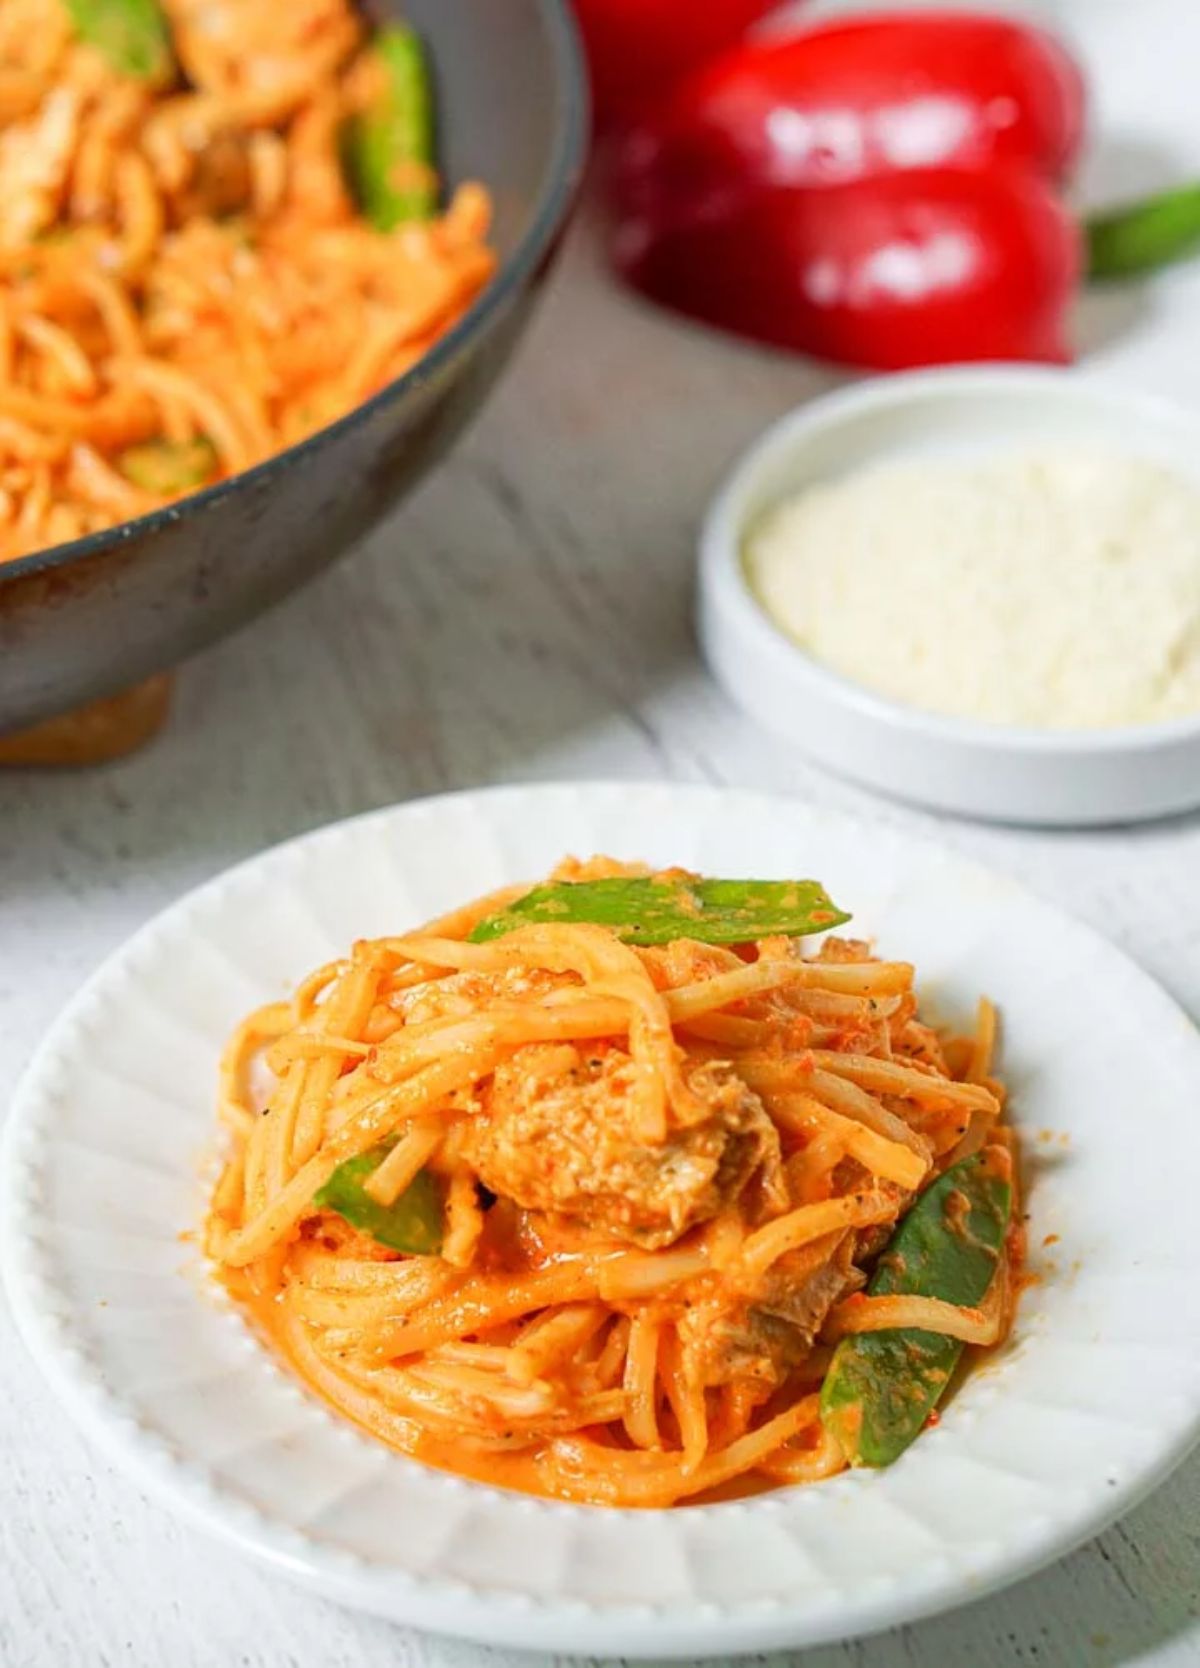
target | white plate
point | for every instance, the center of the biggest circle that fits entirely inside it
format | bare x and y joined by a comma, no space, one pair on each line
1097,1398
1000,771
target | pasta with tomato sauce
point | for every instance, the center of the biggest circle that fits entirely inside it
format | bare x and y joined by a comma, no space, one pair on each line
618,1190
219,232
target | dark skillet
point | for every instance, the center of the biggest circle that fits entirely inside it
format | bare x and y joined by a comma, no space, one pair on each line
90,617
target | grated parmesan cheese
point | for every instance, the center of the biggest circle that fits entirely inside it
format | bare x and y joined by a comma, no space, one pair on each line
1059,589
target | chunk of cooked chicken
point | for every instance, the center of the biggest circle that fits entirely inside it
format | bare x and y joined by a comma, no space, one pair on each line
35,162
557,1132
761,1336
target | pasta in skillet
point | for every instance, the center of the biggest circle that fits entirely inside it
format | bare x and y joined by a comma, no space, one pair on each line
219,231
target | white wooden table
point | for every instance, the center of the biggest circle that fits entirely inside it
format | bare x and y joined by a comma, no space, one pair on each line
527,616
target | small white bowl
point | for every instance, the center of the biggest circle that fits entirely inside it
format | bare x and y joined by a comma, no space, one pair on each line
1001,772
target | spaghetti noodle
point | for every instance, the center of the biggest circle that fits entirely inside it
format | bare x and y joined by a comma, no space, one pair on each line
186,283
648,1185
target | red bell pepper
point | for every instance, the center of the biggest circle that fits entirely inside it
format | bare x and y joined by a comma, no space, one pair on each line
861,96
636,48
876,191
925,267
